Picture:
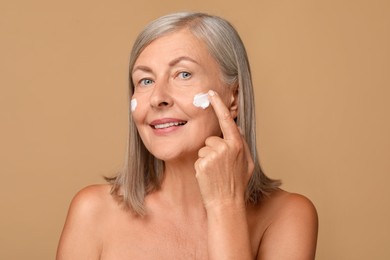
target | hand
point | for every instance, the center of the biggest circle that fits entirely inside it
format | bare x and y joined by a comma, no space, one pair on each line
225,164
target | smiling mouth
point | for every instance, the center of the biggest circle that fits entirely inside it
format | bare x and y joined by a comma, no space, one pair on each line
167,125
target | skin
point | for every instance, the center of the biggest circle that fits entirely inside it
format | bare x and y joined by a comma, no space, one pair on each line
199,212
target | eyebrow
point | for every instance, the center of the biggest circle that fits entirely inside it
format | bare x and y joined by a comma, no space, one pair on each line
181,58
171,64
143,68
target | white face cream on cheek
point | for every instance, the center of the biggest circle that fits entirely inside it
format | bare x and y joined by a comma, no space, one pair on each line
201,100
133,104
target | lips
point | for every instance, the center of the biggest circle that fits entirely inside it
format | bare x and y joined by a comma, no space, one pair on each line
167,123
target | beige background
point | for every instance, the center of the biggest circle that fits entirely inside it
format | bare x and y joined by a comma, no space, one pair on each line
321,72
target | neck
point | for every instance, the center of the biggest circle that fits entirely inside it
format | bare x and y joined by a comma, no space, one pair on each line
180,188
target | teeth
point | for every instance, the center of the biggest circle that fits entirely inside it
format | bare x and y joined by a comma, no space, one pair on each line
166,125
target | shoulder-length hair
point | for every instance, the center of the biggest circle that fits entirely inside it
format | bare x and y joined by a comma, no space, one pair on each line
142,172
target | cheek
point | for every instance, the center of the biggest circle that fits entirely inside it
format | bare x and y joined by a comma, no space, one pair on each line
192,104
201,100
137,108
206,120
133,104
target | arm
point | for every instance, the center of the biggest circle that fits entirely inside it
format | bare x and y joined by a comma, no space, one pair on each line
292,235
81,233
223,171
228,234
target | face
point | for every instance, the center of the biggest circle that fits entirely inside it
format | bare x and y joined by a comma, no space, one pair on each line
167,75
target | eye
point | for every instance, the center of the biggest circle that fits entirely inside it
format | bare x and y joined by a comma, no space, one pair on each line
184,75
145,82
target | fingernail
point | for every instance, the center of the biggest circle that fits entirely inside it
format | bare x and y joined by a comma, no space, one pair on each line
211,93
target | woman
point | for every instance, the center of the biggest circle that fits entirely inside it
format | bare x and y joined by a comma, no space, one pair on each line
192,187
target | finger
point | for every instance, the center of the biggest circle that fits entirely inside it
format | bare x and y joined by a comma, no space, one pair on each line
213,141
204,151
226,122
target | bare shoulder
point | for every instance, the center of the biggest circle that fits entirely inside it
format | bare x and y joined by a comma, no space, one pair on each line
292,228
91,199
297,204
90,204
82,234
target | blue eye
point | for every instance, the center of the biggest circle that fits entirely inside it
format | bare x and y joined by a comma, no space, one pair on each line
185,75
145,82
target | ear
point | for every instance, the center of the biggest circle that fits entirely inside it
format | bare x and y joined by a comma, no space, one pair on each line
233,108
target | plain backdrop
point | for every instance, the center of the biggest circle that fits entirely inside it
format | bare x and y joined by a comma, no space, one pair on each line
322,85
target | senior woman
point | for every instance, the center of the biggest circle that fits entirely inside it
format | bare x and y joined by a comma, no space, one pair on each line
192,186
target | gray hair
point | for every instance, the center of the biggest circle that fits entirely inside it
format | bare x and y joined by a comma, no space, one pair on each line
143,172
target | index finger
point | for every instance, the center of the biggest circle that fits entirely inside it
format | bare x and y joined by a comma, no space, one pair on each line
228,126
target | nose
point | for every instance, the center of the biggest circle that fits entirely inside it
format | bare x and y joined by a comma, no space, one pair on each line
160,97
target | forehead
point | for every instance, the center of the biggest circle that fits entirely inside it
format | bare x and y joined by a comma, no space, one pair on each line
181,42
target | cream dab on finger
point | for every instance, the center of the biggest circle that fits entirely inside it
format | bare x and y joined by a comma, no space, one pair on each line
201,100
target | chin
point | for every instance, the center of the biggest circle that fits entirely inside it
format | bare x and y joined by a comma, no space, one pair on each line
176,156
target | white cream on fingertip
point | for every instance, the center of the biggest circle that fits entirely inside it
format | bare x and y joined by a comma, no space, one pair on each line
133,104
201,100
